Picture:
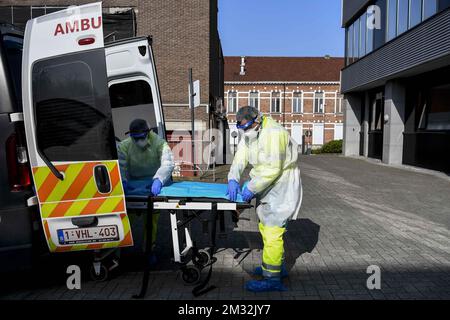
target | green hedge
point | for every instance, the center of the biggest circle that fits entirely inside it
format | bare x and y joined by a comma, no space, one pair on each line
334,146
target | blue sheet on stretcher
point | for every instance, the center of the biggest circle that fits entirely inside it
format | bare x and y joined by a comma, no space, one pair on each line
184,189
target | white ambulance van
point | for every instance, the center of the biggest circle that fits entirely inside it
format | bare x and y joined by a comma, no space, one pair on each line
79,97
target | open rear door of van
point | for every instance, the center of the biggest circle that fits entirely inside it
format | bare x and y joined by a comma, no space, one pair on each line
70,133
133,85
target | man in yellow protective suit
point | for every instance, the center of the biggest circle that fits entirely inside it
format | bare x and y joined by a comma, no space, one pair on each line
145,156
275,183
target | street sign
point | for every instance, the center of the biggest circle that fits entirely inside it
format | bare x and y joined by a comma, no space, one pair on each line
195,94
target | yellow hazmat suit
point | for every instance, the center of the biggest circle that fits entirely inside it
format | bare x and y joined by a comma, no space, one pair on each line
276,181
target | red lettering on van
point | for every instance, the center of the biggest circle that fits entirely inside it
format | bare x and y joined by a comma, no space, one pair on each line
78,25
72,27
59,29
99,23
85,24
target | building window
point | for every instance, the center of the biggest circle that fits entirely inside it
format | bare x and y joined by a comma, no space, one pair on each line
232,102
369,42
363,35
297,102
436,111
415,12
402,17
429,8
376,116
356,40
319,102
253,99
350,45
379,37
275,102
392,20
397,16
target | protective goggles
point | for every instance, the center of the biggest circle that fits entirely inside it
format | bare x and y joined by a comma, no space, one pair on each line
139,136
246,126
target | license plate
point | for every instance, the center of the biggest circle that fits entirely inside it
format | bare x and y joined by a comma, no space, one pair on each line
88,235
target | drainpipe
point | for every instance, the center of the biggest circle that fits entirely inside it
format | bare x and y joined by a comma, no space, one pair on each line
284,104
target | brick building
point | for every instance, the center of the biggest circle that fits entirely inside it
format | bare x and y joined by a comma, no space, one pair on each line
303,94
184,35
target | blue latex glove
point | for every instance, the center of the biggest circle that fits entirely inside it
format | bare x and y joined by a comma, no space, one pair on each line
247,195
233,190
156,187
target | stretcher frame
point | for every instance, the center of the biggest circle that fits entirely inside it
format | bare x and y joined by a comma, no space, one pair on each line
188,207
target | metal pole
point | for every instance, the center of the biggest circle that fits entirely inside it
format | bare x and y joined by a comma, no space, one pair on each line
191,105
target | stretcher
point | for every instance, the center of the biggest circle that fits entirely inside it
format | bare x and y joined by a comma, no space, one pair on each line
184,202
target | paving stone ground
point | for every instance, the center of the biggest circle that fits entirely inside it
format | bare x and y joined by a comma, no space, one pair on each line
355,214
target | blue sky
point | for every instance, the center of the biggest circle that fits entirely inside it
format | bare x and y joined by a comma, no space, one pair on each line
281,27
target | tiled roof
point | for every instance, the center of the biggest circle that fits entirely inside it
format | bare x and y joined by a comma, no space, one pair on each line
284,69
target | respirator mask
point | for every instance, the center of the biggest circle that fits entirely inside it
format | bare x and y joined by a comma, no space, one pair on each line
248,132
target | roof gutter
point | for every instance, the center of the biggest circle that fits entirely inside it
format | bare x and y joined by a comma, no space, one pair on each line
283,82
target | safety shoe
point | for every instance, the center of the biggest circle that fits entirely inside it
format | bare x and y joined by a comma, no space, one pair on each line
259,272
266,285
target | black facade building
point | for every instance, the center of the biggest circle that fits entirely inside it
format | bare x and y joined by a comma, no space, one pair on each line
396,82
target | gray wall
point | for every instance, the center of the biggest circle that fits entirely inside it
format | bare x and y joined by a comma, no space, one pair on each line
429,43
352,127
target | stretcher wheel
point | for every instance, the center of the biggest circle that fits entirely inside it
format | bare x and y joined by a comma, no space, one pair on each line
190,275
102,276
202,258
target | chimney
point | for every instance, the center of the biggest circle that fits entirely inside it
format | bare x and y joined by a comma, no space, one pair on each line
242,72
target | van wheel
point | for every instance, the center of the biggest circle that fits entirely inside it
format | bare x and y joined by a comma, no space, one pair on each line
102,276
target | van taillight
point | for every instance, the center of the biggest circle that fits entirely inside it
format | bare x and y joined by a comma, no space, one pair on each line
18,166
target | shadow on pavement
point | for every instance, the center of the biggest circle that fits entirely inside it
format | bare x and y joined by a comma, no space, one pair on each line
301,237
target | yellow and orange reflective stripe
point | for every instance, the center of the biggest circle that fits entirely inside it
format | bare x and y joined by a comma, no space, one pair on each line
79,182
77,195
83,207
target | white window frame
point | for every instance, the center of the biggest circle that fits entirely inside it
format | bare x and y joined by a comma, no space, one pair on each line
258,98
228,101
323,102
271,101
297,98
